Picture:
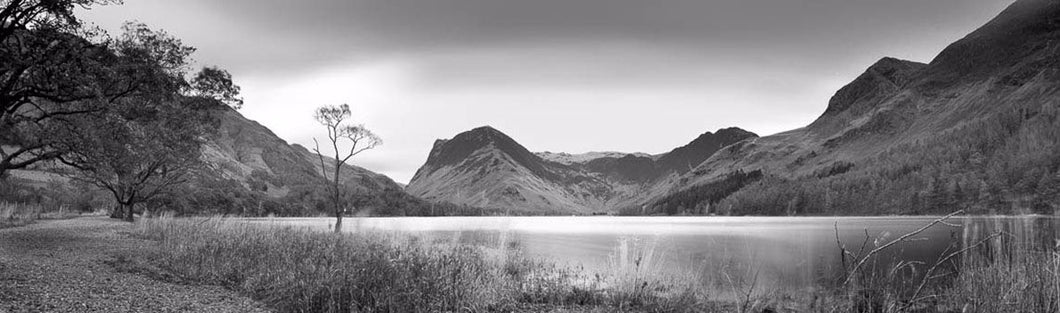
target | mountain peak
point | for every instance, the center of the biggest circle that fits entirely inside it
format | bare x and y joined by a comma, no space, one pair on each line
882,78
485,129
453,151
733,132
688,156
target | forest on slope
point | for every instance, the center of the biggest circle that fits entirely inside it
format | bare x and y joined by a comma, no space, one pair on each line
977,129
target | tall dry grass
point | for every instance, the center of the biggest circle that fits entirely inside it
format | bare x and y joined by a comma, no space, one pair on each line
300,270
1020,280
18,214
1000,272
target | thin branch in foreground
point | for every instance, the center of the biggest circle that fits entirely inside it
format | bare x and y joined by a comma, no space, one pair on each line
927,275
905,237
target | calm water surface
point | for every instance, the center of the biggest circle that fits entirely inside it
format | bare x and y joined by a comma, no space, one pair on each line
782,252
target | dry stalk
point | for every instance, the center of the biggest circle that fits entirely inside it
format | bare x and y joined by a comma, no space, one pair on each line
905,237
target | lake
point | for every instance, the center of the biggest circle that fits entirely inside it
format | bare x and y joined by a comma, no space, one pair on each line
774,252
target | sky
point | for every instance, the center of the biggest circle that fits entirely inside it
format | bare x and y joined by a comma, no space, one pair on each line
556,75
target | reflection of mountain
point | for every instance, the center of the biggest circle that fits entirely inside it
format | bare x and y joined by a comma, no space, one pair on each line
484,167
976,128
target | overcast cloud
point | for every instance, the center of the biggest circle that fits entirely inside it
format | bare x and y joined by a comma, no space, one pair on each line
557,75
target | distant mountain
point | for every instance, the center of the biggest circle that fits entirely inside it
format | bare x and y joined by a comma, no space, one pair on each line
568,159
486,168
975,129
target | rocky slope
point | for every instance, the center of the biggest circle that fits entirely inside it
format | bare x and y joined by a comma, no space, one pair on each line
484,167
247,151
251,171
248,155
975,129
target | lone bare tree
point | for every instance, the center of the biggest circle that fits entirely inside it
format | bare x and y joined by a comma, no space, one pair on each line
340,134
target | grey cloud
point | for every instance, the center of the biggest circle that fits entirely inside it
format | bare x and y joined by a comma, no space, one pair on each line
292,33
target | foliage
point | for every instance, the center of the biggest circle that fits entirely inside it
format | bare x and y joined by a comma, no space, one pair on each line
699,199
1004,163
50,70
143,144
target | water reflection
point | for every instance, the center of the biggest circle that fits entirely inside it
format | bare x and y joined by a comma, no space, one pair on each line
787,253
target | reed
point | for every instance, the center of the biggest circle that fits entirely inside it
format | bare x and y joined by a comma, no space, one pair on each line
1014,280
301,270
18,214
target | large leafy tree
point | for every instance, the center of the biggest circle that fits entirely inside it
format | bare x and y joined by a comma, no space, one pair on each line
49,72
143,144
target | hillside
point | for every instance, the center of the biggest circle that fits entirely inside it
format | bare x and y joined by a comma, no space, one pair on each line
247,151
251,171
974,129
484,167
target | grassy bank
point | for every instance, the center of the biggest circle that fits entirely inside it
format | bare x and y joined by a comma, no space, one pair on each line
296,270
18,214
299,270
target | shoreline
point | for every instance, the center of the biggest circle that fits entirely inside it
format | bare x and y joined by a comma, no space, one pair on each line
72,265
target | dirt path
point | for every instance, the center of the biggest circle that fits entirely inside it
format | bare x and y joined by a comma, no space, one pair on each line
62,266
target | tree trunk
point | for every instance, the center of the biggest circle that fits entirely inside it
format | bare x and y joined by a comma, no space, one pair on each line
117,211
337,196
128,212
338,222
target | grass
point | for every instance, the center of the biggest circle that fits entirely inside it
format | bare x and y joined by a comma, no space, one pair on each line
19,214
300,270
297,270
1012,281
993,274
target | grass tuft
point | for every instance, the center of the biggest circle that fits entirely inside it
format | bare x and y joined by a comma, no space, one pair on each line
19,214
299,270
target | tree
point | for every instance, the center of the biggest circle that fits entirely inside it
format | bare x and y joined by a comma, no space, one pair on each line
18,15
356,137
149,141
49,71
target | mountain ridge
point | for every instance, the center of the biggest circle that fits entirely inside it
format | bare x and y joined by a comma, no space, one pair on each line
484,167
977,128
909,138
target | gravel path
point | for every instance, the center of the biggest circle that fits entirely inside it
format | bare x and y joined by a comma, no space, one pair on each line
62,266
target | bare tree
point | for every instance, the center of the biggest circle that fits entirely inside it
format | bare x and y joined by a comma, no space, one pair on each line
340,134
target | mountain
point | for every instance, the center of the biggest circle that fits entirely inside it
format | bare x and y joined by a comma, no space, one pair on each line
568,159
484,167
247,151
977,129
251,171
